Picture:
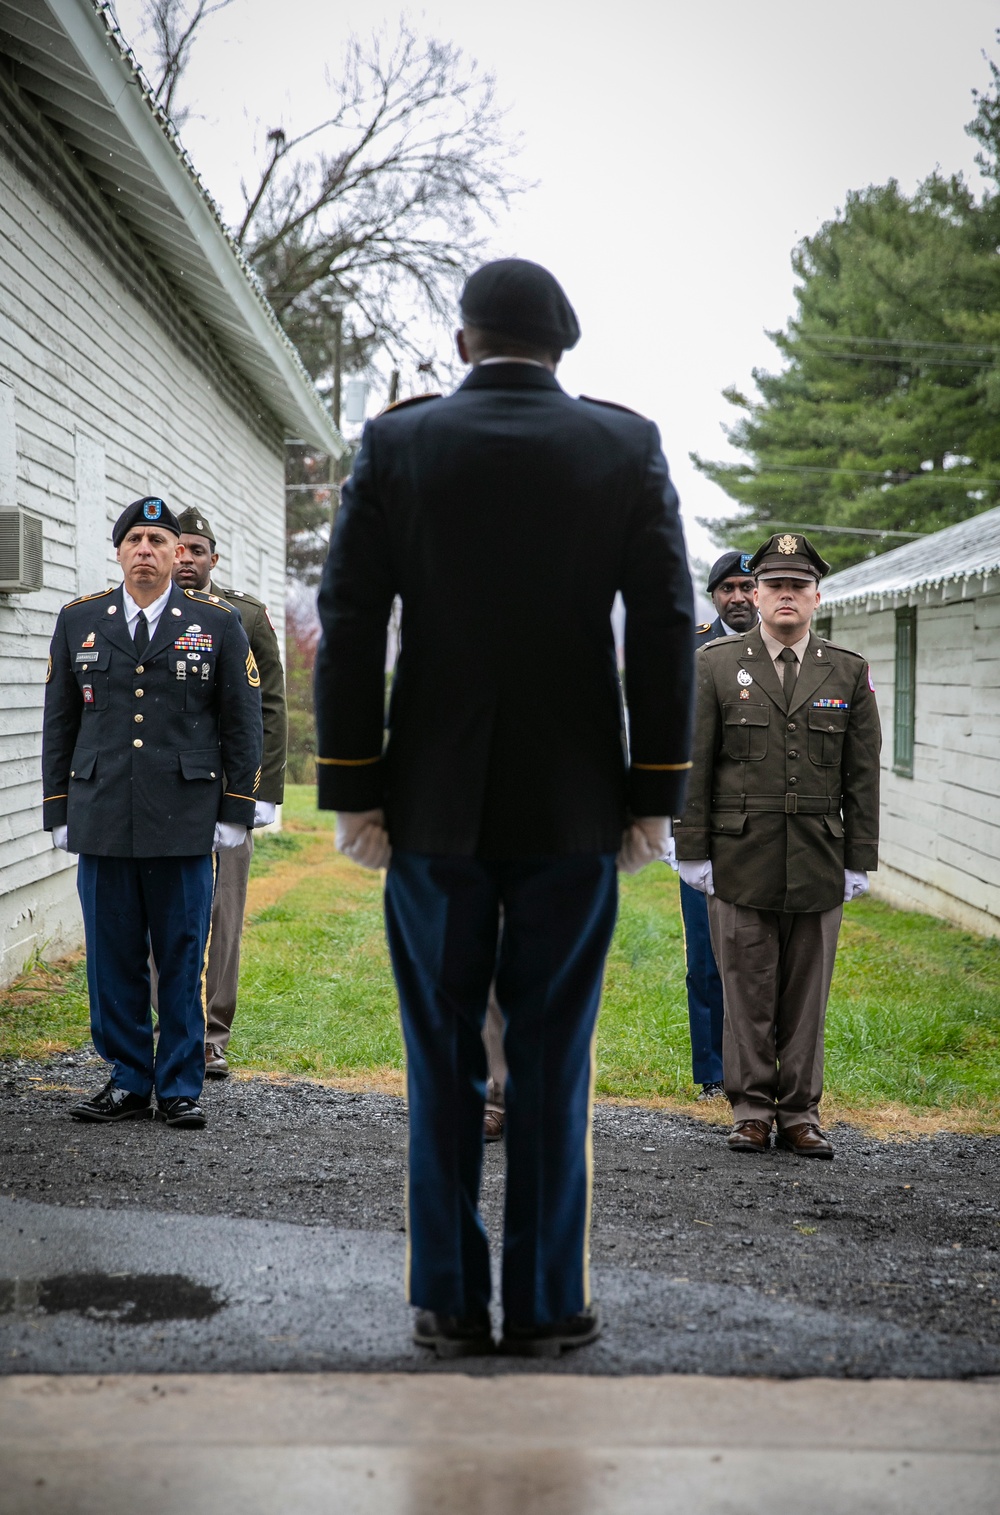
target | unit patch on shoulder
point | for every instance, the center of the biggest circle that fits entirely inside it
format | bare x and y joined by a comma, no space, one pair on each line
871,681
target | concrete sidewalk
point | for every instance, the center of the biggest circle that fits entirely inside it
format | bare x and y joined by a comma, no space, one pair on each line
378,1444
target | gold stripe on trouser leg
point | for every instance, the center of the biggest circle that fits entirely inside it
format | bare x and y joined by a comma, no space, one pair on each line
408,1261
589,1156
208,948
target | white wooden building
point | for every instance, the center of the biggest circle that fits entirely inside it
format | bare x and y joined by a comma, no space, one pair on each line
137,356
927,618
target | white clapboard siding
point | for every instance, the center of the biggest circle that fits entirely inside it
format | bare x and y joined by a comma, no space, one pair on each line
940,829
110,388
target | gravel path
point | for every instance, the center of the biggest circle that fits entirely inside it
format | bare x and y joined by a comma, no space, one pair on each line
886,1261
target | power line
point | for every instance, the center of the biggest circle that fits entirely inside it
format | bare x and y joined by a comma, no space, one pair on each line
856,339
848,531
937,475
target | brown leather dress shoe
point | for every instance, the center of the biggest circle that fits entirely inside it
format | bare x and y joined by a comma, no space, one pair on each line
215,1062
492,1125
806,1141
749,1136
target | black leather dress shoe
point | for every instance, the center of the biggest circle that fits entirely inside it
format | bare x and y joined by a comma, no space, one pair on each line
181,1111
558,1336
454,1336
114,1104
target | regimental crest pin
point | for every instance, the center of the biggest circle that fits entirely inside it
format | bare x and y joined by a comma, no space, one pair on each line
152,509
744,678
744,694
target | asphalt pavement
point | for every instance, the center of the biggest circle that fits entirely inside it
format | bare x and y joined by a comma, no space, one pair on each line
274,1240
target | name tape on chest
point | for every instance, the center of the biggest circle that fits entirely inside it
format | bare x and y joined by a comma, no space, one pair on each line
831,704
194,641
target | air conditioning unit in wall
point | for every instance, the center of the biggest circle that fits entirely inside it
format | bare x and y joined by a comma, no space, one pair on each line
20,552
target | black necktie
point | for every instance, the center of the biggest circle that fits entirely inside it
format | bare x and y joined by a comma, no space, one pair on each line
141,634
787,656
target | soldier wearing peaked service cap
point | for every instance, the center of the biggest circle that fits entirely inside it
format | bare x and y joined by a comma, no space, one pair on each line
506,516
194,567
151,698
780,831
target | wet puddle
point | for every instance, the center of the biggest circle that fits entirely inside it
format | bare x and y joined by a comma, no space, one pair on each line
129,1299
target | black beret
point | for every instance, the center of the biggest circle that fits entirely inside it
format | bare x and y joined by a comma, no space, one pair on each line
519,299
788,553
150,511
194,523
735,563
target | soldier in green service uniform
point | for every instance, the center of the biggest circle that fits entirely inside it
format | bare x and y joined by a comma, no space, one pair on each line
779,831
196,558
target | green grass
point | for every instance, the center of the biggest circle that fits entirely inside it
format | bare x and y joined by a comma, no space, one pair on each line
914,1014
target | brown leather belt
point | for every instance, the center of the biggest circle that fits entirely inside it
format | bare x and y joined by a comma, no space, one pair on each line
789,804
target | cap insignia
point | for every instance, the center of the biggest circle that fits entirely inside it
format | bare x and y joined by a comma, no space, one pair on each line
787,545
152,509
199,523
745,558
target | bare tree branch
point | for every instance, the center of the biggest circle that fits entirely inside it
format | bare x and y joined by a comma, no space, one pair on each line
174,29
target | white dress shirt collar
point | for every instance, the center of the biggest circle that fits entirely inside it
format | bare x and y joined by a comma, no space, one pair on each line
153,612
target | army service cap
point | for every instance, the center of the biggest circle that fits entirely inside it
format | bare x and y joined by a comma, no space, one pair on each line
149,511
516,298
194,523
786,555
731,565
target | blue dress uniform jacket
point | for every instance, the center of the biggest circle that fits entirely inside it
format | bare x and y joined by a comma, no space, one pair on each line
506,516
134,752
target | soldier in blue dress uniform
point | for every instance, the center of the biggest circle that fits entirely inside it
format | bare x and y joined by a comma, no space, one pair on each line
506,516
731,586
151,756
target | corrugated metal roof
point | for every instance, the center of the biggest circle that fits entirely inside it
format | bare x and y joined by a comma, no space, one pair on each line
970,550
74,62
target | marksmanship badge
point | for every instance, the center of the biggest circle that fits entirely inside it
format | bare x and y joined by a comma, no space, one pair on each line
787,545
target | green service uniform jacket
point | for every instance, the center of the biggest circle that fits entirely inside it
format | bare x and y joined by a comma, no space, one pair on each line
264,646
782,799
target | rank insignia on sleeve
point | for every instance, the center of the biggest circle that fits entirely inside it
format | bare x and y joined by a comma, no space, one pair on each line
253,675
48,671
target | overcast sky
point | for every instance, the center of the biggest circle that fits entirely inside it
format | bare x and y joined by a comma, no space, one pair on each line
681,149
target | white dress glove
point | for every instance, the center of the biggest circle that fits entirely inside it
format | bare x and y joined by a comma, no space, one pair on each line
60,838
361,836
228,835
645,841
670,854
698,875
264,812
855,885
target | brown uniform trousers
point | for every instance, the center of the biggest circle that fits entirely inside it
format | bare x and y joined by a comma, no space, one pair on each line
783,797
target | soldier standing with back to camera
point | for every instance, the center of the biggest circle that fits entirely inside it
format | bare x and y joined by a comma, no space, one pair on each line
193,567
780,830
731,587
150,697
